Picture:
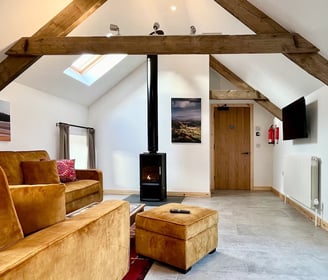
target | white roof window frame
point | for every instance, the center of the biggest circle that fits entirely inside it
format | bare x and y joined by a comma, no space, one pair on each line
89,68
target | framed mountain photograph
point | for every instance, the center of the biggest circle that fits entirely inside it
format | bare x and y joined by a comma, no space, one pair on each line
186,120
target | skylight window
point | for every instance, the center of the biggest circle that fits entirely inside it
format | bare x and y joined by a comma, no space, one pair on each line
88,68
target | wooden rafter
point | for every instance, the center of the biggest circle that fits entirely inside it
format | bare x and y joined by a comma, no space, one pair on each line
239,83
260,23
197,44
61,25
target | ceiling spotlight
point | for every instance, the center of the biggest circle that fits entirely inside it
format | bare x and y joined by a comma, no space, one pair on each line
156,31
192,30
113,28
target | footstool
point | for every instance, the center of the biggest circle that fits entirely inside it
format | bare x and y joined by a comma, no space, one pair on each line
177,239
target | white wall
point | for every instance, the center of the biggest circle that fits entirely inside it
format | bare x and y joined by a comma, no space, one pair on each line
263,151
219,82
315,145
188,164
121,131
120,121
34,115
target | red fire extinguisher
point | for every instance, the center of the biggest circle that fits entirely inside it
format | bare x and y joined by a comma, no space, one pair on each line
271,135
276,134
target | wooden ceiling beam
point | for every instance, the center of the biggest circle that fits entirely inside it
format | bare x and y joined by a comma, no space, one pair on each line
315,64
236,95
239,83
61,25
188,44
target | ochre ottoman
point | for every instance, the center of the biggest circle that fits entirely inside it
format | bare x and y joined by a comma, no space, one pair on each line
179,240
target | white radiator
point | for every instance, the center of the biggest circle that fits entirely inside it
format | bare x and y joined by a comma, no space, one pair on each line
301,179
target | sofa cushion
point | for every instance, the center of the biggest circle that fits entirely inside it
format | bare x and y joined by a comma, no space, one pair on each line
39,206
10,162
10,228
40,172
66,170
80,188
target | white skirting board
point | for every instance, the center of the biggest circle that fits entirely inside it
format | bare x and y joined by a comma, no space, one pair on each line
301,179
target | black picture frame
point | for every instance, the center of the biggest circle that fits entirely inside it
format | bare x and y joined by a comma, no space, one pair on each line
186,120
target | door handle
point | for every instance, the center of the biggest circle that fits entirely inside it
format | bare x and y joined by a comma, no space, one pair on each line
245,153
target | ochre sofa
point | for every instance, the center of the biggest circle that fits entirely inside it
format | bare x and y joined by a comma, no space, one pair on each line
44,243
88,187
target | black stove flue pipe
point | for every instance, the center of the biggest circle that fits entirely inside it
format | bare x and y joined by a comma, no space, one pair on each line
152,102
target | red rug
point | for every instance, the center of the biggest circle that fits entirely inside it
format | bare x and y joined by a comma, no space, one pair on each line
139,266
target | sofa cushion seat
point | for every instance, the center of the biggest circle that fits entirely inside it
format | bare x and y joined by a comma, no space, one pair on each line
80,188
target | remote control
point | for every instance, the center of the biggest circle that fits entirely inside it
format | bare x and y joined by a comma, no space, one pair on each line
180,211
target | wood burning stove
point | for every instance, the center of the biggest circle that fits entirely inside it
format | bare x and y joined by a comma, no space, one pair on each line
153,176
152,163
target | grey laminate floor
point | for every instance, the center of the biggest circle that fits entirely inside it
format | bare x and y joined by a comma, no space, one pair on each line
260,237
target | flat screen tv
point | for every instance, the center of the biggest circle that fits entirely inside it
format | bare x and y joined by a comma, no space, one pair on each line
294,120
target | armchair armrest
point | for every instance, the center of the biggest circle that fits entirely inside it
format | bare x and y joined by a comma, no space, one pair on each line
90,174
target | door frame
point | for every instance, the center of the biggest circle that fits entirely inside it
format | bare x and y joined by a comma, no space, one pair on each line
212,141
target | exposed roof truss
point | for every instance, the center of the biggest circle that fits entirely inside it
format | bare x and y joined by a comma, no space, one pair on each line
293,46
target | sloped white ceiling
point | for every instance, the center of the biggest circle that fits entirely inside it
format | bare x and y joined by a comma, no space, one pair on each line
273,75
25,17
308,18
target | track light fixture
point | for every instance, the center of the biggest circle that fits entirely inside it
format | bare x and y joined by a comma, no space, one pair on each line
114,28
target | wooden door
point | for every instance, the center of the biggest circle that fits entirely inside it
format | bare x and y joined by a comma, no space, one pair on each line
232,148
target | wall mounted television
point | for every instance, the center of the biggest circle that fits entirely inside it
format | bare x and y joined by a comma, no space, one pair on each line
294,120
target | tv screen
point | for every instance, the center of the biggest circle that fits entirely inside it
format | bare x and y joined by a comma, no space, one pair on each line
294,120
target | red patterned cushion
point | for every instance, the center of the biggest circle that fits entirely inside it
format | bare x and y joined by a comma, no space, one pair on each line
66,170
